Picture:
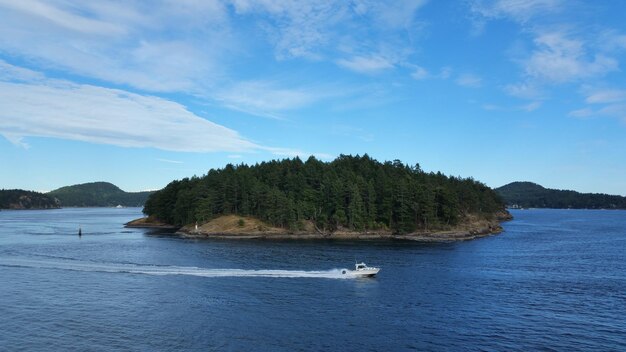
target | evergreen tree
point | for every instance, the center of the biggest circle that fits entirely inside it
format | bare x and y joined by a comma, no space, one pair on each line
350,192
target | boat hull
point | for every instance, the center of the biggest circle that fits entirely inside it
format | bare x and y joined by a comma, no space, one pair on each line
369,272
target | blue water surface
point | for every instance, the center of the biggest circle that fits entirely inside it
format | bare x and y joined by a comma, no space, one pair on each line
554,280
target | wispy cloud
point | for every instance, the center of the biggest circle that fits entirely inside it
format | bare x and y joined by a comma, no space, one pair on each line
469,80
603,96
582,113
61,109
608,102
195,47
559,54
445,72
362,35
517,10
296,29
64,18
525,90
10,72
530,107
270,99
420,73
169,161
560,59
362,64
398,14
617,111
125,45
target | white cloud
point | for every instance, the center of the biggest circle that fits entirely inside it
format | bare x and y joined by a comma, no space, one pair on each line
582,113
469,80
198,47
420,73
491,107
295,28
614,110
518,10
61,109
366,64
63,17
620,41
605,101
169,161
525,90
193,47
617,111
445,72
393,14
606,96
610,40
532,106
327,29
149,47
9,72
559,59
267,98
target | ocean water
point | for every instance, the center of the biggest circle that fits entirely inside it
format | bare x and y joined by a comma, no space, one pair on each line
554,280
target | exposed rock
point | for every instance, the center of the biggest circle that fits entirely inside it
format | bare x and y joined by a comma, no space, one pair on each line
239,227
149,222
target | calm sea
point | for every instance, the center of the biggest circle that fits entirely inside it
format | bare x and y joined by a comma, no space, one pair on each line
554,280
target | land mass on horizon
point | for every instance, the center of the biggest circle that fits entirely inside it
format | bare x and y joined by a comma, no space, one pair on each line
93,194
98,194
22,199
532,195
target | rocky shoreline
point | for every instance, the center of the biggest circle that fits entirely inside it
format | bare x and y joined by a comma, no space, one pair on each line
235,227
149,222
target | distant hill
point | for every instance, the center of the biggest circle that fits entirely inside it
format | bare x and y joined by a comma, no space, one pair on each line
21,199
532,195
98,194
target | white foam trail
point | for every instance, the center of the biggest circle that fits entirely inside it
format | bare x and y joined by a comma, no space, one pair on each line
76,265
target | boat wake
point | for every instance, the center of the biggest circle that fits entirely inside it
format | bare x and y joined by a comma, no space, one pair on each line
86,266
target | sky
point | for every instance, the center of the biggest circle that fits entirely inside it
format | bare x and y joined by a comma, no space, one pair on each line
140,93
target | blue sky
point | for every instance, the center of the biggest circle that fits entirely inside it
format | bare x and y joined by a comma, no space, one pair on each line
139,93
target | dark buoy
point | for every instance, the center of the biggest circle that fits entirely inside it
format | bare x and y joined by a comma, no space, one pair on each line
80,232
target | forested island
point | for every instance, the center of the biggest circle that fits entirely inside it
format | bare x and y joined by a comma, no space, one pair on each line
352,196
98,194
532,195
22,199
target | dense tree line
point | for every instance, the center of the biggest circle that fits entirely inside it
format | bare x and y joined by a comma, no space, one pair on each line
532,195
98,194
356,193
21,199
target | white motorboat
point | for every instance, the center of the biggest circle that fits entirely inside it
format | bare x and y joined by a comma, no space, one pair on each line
361,270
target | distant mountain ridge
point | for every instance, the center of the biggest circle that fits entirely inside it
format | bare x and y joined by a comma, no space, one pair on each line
532,195
98,194
22,199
